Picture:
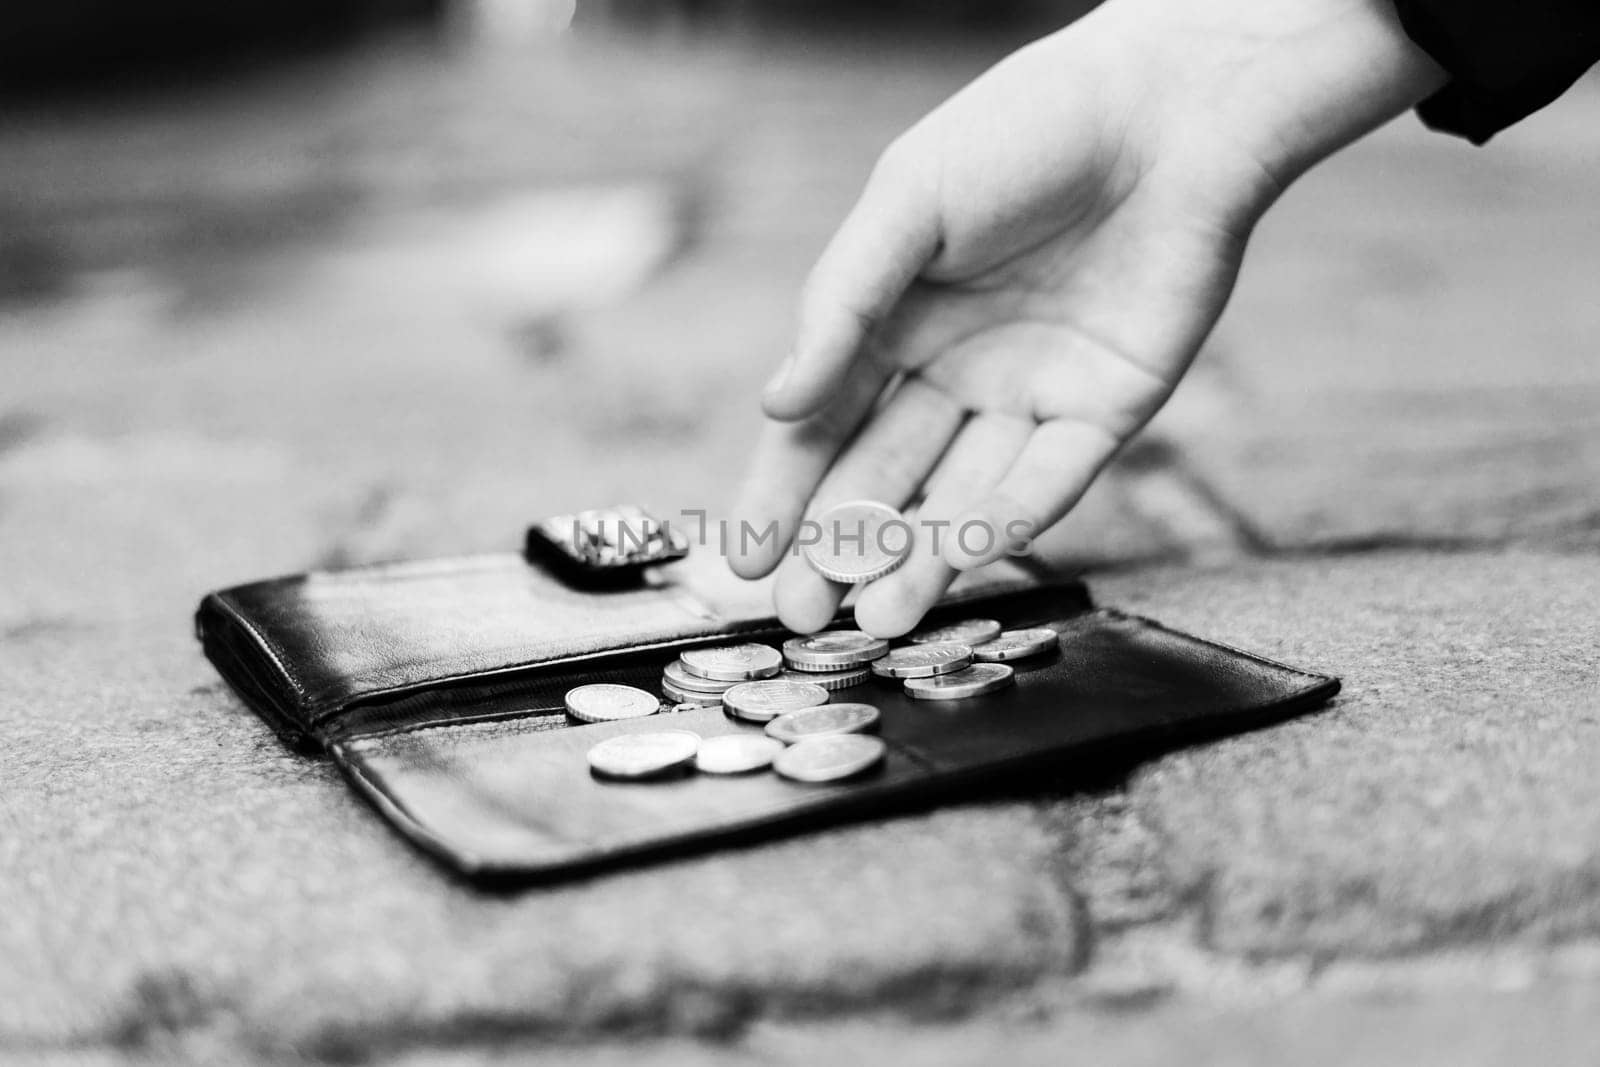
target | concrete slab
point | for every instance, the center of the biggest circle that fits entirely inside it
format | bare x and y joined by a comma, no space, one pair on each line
1447,796
167,864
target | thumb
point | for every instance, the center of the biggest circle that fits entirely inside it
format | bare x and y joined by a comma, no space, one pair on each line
885,241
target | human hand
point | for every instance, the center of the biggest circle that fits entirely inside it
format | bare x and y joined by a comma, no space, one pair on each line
1032,267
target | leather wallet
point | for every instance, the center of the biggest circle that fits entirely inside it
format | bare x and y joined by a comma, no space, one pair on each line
437,687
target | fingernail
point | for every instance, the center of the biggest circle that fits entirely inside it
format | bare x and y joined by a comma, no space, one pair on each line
780,377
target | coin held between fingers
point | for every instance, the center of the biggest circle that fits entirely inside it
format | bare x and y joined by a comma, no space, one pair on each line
858,541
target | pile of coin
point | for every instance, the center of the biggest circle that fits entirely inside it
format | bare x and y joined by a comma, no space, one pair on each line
665,753
701,676
805,737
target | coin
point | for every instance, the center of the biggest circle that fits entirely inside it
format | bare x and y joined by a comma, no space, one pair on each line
1016,644
643,755
605,702
732,663
736,753
674,673
859,542
967,632
921,661
822,721
689,696
829,680
760,701
976,680
832,650
827,759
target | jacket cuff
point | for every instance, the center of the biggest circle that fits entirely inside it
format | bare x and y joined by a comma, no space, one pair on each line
1505,60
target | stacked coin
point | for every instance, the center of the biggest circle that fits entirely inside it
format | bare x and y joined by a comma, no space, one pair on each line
978,680
823,721
701,675
682,687
764,701
833,659
1016,644
962,660
923,661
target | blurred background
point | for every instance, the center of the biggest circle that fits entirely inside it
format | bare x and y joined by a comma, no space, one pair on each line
302,284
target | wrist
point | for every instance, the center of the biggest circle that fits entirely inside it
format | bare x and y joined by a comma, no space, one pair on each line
1285,83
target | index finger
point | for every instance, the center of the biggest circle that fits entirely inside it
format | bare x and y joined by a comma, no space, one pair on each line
883,244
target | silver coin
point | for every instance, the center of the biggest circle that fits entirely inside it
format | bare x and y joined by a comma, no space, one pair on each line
674,673
1016,644
736,753
827,759
922,661
761,701
858,542
832,650
643,755
732,663
823,721
967,632
975,681
604,702
829,680
689,696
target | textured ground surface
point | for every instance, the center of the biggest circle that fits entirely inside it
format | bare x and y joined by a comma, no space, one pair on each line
396,304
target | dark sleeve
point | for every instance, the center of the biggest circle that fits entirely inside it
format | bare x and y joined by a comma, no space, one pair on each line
1506,58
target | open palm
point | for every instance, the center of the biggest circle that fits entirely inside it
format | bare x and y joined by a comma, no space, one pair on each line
1026,277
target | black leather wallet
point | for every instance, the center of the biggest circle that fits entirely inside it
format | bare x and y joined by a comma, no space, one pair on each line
437,686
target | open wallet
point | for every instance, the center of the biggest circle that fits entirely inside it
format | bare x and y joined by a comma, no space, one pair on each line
437,686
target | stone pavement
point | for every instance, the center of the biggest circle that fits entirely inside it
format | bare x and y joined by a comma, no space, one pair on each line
394,304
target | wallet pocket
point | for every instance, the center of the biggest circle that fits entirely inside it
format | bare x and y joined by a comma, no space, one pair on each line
515,799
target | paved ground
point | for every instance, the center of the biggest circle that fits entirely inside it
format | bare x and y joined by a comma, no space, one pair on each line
395,304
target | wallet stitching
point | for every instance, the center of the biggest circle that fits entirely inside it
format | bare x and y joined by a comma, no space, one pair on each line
394,731
393,808
272,648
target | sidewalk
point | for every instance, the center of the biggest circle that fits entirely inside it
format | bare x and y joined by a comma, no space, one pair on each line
1383,468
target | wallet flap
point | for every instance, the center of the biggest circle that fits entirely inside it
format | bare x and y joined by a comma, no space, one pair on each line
515,798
